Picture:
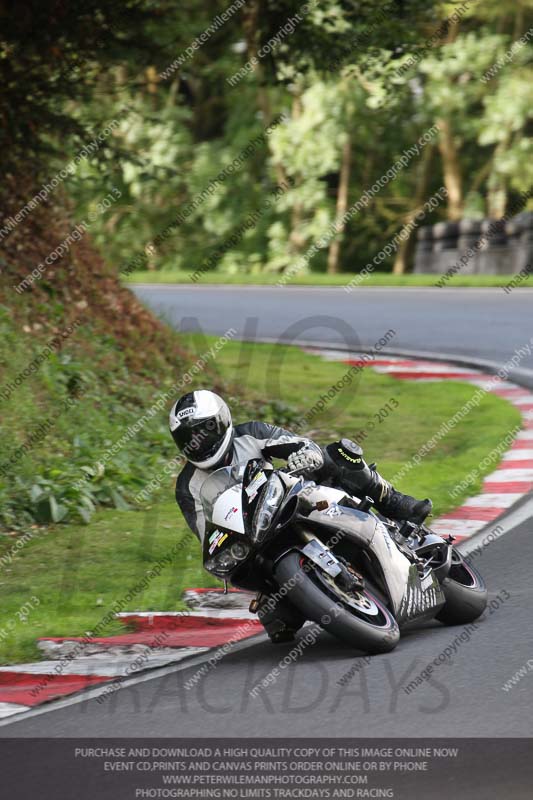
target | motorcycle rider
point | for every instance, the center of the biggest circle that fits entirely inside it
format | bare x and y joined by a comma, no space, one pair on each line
202,428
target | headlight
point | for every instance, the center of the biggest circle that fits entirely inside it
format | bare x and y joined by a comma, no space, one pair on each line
227,560
239,551
267,507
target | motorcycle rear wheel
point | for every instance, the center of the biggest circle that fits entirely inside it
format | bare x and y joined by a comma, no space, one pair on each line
357,618
465,592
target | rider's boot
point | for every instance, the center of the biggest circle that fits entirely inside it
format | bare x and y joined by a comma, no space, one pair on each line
363,480
279,618
394,504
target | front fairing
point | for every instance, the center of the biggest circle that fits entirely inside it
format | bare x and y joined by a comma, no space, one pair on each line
365,530
221,499
224,484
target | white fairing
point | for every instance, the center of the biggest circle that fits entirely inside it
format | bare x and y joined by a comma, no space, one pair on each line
227,513
394,564
227,510
330,494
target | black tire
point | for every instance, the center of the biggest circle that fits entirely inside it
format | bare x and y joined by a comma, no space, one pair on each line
312,594
465,592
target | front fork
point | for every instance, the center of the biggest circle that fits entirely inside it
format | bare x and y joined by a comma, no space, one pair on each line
320,555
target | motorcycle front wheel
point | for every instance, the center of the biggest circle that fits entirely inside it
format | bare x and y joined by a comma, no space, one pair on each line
356,617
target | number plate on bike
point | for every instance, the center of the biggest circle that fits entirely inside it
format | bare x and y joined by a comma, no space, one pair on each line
322,557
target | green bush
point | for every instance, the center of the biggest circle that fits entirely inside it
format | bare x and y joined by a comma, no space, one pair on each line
60,422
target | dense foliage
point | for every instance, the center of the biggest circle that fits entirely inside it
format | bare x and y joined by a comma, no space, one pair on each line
357,83
226,136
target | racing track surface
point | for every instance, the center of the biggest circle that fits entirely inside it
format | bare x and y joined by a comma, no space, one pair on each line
462,698
481,323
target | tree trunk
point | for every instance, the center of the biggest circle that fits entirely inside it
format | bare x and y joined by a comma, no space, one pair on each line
405,250
496,201
296,239
251,34
519,27
497,187
453,179
342,205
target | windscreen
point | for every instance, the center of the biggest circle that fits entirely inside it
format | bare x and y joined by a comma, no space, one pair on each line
216,484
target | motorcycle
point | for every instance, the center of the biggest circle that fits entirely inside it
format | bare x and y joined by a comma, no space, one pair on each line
361,577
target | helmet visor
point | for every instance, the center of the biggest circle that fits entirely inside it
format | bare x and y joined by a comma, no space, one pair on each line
199,441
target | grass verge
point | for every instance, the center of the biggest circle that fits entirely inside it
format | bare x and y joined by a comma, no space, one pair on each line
321,279
78,572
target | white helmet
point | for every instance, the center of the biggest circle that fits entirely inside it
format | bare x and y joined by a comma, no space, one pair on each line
200,424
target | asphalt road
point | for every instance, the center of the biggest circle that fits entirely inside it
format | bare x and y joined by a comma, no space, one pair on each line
480,323
463,697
